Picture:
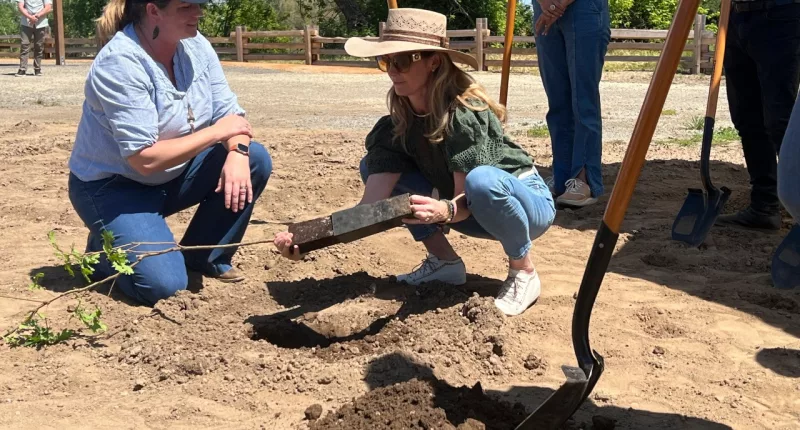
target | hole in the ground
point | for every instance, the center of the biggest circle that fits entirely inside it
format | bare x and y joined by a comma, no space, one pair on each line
352,320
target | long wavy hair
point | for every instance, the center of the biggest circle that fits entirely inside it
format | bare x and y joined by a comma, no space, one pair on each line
119,13
448,88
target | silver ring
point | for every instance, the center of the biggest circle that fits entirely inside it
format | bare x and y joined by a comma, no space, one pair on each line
552,7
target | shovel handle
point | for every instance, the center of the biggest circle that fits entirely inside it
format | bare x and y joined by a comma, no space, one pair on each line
511,13
660,84
392,4
628,176
719,57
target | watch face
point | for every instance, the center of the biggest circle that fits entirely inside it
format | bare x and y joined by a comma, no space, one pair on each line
242,147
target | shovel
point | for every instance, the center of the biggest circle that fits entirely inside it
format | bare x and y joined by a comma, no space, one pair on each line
703,206
511,13
786,261
581,380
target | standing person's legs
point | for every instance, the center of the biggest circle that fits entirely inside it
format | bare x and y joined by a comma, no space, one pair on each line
133,213
212,223
557,81
761,71
789,166
587,33
26,36
38,49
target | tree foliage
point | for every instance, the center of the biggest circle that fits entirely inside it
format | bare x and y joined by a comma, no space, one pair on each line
361,17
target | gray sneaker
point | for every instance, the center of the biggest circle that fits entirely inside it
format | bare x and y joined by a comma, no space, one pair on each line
20,73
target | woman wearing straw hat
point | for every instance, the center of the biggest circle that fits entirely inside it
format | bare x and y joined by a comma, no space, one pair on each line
161,132
443,138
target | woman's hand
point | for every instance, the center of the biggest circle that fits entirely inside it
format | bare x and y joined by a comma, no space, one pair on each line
552,9
427,210
283,242
543,25
231,126
235,181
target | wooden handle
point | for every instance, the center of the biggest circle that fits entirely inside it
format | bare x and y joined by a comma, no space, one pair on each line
660,83
392,4
511,14
719,56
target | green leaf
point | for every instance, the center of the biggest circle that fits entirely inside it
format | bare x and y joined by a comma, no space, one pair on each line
35,285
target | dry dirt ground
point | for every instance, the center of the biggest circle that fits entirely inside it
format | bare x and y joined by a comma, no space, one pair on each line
693,338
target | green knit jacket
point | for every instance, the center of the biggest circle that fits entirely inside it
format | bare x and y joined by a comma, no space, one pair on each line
475,139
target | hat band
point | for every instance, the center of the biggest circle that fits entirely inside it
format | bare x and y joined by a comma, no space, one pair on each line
415,37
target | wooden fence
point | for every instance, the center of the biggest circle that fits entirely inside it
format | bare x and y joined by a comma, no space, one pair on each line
309,47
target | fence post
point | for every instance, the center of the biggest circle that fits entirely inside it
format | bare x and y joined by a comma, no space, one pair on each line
239,44
307,39
479,26
315,32
699,28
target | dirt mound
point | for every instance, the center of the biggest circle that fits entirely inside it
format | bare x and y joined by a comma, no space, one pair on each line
424,404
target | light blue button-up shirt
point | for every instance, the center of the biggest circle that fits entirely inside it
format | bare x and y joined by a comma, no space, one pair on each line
131,104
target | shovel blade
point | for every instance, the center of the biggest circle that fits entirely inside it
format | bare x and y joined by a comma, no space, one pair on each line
562,404
786,261
698,215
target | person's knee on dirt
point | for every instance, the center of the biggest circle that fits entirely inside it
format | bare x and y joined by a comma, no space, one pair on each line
571,40
161,132
33,27
762,74
444,133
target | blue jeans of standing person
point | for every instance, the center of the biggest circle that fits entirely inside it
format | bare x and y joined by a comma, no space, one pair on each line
789,166
135,212
571,58
504,208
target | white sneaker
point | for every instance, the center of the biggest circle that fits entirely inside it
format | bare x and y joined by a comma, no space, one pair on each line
433,269
519,292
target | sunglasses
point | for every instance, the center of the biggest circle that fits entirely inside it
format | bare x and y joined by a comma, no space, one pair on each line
401,62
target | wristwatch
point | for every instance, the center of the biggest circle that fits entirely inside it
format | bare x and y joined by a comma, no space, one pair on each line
242,149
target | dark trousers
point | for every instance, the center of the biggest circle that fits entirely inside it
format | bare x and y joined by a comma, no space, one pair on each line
33,36
762,71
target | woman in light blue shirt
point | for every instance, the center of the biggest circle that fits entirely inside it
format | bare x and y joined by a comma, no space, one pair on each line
161,131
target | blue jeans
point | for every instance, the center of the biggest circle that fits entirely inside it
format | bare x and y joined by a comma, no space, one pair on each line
135,212
789,165
512,211
571,58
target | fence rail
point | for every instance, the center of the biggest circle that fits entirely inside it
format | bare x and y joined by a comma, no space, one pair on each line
308,46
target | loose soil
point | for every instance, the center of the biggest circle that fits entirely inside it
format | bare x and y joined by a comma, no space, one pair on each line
692,337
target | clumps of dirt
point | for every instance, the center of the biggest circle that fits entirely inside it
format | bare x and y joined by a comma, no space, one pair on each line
774,301
535,363
482,312
313,412
424,404
660,259
657,323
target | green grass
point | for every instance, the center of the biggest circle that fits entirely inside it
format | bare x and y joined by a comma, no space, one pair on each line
696,123
721,136
539,130
669,112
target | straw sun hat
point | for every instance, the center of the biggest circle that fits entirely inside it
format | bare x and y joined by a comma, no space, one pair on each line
410,30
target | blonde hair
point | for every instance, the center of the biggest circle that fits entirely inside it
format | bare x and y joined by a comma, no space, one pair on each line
119,13
448,88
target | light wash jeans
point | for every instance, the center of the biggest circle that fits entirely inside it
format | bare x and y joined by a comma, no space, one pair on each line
512,211
135,212
789,166
571,58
